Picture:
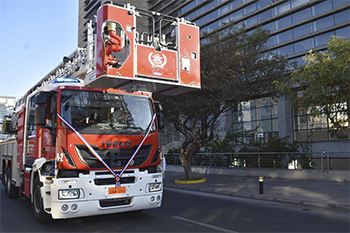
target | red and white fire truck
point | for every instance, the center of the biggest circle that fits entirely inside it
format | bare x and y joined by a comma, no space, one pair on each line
85,137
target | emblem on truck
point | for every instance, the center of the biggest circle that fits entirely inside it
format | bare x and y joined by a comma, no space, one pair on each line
157,59
119,144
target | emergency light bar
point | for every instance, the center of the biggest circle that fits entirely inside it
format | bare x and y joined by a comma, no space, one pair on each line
65,80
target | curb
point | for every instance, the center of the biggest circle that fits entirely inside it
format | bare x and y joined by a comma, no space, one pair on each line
191,181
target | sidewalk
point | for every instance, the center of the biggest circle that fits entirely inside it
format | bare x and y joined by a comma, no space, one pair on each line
322,194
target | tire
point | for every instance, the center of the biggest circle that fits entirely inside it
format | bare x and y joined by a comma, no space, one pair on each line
3,176
38,207
10,189
5,179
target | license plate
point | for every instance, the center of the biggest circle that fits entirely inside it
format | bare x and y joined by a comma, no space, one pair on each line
118,190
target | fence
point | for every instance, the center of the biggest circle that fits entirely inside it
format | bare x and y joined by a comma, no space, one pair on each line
283,160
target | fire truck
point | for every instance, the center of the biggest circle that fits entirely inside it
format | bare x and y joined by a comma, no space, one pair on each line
85,138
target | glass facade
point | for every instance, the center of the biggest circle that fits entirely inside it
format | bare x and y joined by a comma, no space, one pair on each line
258,117
296,26
319,126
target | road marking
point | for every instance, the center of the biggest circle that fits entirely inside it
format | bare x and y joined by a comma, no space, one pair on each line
204,224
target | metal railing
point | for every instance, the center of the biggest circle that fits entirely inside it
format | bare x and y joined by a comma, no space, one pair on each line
281,160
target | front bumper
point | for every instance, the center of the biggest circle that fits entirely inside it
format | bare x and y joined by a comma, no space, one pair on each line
94,198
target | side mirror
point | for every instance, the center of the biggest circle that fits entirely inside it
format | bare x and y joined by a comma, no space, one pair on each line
40,115
41,98
41,109
160,116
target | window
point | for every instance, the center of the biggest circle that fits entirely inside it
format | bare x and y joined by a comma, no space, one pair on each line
262,4
224,9
212,27
211,4
251,21
249,9
343,32
304,45
284,22
302,30
265,15
191,16
282,8
224,21
270,42
319,125
322,39
212,15
342,17
201,10
269,26
284,36
323,23
301,15
188,7
259,116
31,127
296,3
339,3
93,112
234,4
322,7
201,21
285,50
235,16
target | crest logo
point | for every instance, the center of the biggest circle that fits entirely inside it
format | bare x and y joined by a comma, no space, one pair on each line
158,60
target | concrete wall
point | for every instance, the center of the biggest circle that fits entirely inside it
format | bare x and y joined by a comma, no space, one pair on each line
326,175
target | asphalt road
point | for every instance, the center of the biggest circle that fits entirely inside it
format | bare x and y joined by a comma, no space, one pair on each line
185,211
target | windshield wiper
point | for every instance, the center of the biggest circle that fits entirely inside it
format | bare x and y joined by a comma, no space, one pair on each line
135,127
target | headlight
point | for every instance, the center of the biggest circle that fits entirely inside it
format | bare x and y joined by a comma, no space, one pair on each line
154,187
68,194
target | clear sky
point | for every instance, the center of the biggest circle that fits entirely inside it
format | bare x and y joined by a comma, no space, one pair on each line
34,37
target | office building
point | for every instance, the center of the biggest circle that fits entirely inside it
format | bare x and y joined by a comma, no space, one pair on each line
296,26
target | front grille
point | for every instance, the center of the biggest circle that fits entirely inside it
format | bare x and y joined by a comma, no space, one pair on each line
113,157
109,181
115,202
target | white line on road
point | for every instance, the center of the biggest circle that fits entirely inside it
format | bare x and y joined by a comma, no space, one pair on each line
204,224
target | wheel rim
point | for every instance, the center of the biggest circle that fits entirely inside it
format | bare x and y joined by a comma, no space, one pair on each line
37,200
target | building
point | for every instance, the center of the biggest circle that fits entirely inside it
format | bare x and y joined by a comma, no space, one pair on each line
296,26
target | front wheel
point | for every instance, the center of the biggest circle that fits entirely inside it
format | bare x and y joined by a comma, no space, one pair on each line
38,207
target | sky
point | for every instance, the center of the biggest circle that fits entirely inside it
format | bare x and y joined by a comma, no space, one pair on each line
35,35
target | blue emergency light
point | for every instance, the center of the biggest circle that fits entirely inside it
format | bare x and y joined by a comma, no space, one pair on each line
65,80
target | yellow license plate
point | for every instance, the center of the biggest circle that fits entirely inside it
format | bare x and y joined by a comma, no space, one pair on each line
118,190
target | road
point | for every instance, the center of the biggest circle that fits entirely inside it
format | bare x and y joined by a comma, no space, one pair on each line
186,211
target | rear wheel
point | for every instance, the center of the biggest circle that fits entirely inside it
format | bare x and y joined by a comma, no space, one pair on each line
38,207
10,189
5,179
3,175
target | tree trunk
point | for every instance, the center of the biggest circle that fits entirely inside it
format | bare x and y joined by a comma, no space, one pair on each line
187,163
188,171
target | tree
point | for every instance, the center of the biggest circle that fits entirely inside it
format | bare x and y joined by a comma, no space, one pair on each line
234,69
324,83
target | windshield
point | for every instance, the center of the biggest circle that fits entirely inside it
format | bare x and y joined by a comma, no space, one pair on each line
91,111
